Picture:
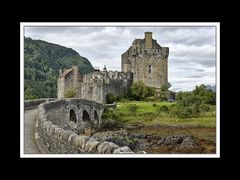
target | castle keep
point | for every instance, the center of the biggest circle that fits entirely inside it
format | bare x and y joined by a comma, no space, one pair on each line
145,60
148,61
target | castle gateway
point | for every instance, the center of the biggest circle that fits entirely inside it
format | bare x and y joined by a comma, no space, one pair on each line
145,60
148,61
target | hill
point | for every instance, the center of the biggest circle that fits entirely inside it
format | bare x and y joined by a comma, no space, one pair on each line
213,88
42,61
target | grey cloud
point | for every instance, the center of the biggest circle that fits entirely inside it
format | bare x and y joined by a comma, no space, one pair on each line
192,49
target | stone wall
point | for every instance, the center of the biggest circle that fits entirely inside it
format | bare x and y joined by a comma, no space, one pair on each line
57,139
30,104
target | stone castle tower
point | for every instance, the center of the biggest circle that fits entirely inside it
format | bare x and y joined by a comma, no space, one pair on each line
148,61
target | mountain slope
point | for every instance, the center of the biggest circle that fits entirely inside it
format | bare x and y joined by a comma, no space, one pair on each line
213,88
42,61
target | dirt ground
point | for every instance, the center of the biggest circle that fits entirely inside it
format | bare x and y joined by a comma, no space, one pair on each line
204,137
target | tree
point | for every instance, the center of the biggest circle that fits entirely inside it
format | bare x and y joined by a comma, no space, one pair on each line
110,98
139,91
163,94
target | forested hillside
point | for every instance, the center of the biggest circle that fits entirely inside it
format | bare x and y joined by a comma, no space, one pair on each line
42,61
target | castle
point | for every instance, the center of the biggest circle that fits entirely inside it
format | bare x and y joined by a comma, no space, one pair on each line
145,60
148,61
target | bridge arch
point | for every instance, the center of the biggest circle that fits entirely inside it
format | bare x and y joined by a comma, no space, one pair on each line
72,116
85,116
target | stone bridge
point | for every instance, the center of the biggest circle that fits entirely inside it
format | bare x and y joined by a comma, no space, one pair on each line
61,127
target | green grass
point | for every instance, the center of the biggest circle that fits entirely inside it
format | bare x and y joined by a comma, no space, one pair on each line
148,115
142,106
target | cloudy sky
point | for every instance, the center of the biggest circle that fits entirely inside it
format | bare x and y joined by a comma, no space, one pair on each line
191,49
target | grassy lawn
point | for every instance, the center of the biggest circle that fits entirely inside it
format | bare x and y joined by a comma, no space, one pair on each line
142,106
147,114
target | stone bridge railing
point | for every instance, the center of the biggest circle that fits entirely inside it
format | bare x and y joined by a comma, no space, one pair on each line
31,104
54,128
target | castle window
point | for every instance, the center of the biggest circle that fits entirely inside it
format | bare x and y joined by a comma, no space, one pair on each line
145,51
149,68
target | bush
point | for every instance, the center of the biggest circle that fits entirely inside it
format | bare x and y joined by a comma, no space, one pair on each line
204,108
181,111
70,93
151,98
110,98
110,114
132,108
154,105
140,91
163,109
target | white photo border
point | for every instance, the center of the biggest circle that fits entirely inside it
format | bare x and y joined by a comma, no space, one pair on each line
132,24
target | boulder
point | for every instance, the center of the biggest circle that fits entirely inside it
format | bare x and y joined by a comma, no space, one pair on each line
91,145
80,141
107,147
188,142
122,150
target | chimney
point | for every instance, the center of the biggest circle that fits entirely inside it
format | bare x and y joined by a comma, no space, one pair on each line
148,39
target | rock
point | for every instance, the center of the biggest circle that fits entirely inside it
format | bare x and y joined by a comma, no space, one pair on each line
106,147
137,135
177,141
122,150
173,140
188,142
141,152
91,145
80,141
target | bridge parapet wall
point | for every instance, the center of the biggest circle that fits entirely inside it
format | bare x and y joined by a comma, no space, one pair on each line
30,104
58,139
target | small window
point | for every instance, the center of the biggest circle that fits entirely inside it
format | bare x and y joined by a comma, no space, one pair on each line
149,68
145,51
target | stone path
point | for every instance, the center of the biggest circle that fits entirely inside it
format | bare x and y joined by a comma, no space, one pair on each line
29,132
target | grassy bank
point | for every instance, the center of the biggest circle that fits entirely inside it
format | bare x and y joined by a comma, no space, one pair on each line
147,113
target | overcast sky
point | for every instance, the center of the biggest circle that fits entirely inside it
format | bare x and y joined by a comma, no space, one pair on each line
191,49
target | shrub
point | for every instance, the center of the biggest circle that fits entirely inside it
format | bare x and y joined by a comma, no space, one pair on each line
140,91
163,109
204,108
110,114
110,98
70,93
154,105
181,111
151,98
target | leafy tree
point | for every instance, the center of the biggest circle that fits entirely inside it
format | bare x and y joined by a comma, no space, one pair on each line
139,91
110,98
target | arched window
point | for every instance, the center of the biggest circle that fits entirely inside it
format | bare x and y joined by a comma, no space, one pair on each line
149,68
73,116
